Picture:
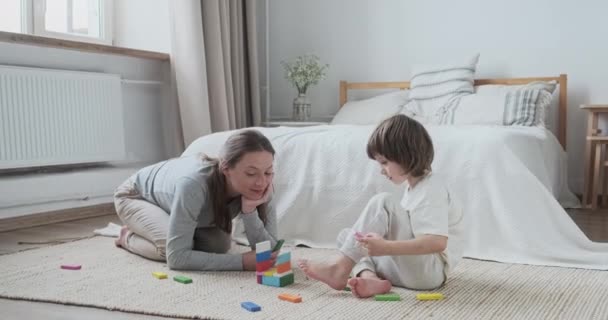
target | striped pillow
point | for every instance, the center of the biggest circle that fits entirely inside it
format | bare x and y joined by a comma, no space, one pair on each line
502,105
434,88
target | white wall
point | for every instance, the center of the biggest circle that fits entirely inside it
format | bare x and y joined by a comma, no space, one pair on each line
150,129
142,24
365,40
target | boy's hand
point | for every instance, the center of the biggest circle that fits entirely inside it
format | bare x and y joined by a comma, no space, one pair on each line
374,243
250,205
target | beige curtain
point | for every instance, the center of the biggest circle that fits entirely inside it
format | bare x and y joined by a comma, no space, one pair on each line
214,57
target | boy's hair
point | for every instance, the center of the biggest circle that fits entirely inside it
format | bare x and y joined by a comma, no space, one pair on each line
405,141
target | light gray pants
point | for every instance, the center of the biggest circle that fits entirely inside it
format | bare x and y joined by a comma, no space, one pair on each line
148,225
385,216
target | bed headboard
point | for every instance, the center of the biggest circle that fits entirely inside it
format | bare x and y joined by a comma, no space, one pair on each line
562,81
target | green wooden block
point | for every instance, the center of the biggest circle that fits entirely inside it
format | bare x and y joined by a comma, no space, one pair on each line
287,280
347,289
182,279
387,297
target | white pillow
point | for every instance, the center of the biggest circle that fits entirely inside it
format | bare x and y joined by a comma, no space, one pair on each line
523,105
437,87
372,110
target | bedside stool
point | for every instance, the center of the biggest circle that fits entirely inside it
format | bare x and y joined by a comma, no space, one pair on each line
292,123
595,162
598,179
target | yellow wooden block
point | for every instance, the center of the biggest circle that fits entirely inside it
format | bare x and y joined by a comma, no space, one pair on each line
159,275
270,272
429,296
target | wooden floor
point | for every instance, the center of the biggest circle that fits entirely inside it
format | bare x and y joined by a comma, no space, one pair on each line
593,223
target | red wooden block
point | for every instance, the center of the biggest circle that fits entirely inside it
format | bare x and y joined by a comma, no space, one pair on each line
263,266
71,266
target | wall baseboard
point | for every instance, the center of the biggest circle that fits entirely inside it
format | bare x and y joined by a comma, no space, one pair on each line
50,217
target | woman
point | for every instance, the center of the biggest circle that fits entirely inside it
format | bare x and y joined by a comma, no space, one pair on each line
181,210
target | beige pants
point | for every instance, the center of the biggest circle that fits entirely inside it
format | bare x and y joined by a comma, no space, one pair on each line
148,225
385,216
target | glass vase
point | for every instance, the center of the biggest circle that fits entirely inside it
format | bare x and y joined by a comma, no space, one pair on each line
301,108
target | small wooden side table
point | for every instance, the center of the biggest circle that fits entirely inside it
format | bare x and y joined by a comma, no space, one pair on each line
594,163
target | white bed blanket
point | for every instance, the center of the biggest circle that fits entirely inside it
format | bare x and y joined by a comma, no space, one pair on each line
511,181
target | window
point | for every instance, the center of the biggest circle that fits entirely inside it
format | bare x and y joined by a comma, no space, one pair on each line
11,16
80,20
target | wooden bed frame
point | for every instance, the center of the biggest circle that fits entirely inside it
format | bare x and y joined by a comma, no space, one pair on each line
562,81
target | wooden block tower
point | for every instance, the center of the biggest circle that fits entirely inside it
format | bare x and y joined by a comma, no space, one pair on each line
280,275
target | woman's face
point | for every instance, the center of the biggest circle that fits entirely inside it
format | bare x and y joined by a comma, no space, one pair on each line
251,176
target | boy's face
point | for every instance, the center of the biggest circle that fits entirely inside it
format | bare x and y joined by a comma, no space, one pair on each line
391,170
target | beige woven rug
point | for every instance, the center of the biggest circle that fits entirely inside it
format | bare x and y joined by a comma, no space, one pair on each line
116,280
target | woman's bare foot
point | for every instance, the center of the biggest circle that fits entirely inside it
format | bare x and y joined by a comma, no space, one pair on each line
122,238
367,287
334,275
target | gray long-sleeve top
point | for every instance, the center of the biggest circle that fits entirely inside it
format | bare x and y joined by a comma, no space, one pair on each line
179,186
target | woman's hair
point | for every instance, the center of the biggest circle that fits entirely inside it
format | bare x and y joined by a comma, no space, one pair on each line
405,141
232,152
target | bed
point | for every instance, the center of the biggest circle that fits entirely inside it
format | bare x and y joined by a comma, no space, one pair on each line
511,180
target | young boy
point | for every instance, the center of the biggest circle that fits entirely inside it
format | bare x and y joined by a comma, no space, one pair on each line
412,243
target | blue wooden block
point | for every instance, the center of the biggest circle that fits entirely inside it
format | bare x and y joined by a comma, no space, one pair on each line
278,282
283,257
271,281
262,256
250,306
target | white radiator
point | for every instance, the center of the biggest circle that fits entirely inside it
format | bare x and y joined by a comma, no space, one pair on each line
56,117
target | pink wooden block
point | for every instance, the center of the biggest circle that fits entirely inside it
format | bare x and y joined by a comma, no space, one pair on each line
71,266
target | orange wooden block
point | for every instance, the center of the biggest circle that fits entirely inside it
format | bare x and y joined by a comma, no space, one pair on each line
290,297
284,267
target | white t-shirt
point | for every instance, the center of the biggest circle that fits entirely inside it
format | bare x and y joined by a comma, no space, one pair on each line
433,210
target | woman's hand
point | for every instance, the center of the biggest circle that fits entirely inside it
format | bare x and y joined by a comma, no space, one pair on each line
250,205
374,243
249,261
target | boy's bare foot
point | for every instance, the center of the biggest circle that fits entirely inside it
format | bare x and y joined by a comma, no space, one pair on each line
122,238
334,275
367,287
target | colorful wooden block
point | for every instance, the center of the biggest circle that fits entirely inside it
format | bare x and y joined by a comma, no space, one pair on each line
271,281
283,267
278,281
283,274
387,297
263,266
290,297
278,246
287,280
71,266
271,272
262,256
182,279
259,279
284,257
250,306
159,275
429,296
262,246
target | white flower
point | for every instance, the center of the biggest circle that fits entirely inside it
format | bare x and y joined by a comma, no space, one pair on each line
305,71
